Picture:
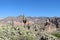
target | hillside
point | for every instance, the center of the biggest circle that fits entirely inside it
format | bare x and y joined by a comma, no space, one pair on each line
33,28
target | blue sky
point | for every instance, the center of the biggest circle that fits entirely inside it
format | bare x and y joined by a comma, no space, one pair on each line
48,8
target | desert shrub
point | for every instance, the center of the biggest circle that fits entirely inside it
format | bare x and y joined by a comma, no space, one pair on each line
16,33
56,35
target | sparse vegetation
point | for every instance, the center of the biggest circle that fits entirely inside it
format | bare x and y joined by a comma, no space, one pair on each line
20,33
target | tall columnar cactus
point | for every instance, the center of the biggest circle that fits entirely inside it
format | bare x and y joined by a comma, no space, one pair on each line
24,20
12,22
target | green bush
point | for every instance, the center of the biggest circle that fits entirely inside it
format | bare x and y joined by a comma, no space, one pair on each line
56,35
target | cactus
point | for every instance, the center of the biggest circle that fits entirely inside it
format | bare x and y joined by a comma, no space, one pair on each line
24,20
12,22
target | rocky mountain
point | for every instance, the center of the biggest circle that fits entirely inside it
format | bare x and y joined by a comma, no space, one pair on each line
51,23
30,28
